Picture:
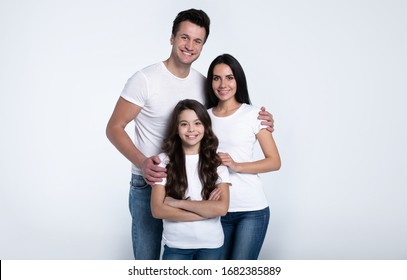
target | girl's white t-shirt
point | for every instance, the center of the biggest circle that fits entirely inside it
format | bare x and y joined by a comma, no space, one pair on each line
198,234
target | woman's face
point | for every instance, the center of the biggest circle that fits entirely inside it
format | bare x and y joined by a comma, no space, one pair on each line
223,82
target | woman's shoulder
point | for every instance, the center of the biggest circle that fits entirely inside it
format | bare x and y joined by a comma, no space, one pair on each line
249,110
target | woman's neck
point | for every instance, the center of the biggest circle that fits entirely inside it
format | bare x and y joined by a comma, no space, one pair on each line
226,108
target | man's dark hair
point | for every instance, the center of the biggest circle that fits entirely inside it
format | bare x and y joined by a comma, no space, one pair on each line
195,16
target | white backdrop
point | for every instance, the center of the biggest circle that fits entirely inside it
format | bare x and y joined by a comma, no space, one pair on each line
333,73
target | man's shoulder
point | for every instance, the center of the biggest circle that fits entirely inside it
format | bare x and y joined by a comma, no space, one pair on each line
152,68
197,73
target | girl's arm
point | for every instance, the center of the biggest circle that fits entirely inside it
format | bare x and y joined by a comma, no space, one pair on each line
164,211
204,208
271,161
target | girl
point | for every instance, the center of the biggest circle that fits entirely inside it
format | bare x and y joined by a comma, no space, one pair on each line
236,125
196,191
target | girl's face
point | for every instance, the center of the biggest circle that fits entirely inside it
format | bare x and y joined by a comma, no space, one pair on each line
223,82
191,131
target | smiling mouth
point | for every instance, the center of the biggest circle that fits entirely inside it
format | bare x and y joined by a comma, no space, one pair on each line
187,53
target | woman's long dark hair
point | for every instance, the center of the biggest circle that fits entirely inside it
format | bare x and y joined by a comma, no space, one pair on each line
177,181
242,92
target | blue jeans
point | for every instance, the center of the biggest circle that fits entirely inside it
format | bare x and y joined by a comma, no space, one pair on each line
191,254
244,234
146,230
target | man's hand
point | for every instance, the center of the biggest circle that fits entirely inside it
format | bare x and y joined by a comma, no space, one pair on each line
153,173
267,119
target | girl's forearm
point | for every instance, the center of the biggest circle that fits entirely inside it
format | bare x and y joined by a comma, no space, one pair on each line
175,214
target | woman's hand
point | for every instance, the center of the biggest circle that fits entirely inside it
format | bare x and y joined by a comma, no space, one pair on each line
228,161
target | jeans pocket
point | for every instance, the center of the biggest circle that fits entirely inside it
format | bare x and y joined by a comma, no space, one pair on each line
138,182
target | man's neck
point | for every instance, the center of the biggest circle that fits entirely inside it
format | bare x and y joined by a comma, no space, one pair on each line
177,69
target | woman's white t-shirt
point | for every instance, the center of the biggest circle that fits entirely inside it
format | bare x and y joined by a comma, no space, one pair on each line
237,136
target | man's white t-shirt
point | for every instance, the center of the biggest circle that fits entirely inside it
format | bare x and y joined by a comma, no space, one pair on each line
157,91
198,234
237,136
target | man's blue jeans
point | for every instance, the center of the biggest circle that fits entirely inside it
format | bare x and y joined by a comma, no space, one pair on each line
146,230
244,234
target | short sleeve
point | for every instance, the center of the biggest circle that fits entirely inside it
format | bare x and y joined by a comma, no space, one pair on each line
164,161
223,173
256,124
136,89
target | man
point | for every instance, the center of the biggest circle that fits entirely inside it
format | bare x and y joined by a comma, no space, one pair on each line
148,98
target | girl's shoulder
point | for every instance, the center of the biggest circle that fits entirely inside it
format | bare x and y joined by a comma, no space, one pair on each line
164,159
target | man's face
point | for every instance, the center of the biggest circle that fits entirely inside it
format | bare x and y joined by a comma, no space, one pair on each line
188,42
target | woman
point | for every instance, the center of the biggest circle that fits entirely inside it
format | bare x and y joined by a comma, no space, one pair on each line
236,125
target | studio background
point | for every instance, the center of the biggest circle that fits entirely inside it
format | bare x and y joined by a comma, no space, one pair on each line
333,74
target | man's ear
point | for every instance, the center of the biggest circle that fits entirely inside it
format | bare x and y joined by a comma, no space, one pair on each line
172,39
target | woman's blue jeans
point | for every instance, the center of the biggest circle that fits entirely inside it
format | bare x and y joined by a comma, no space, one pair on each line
191,254
146,230
244,234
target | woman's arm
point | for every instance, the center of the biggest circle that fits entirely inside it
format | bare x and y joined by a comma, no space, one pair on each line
271,161
160,210
205,208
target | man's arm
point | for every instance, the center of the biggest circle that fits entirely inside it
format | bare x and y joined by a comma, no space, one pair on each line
267,119
122,115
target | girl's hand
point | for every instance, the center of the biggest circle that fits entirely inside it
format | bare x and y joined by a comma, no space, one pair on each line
215,194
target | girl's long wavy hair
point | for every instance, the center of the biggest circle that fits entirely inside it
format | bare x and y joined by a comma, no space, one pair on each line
177,181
